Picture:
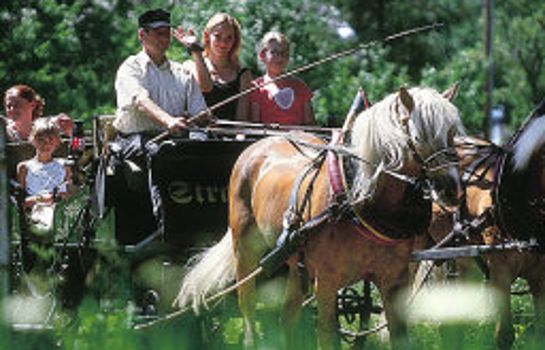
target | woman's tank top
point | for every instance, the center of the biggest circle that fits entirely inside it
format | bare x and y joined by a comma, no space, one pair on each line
220,92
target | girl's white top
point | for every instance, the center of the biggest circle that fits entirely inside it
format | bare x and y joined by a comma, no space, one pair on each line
45,177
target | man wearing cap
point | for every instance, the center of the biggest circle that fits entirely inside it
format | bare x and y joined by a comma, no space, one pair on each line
154,94
153,91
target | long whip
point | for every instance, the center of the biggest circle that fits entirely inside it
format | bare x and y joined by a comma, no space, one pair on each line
329,58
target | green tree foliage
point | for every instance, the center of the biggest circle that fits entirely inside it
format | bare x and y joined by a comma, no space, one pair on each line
67,50
455,53
519,56
376,19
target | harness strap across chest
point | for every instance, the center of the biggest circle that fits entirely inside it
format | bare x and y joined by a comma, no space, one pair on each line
337,182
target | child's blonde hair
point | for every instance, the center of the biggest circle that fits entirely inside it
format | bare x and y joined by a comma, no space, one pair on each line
219,19
270,37
44,126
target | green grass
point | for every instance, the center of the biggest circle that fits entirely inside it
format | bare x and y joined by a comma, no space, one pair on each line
105,317
96,325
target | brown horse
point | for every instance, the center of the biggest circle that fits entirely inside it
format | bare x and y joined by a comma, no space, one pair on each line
389,140
504,267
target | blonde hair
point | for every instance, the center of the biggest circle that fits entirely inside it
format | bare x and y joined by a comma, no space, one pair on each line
271,37
217,20
44,126
27,93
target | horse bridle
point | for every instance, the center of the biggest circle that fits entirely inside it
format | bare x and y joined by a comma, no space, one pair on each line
424,179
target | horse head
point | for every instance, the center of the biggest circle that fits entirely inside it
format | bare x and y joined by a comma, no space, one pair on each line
433,129
410,132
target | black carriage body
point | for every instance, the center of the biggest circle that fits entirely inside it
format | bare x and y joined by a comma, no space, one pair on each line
193,177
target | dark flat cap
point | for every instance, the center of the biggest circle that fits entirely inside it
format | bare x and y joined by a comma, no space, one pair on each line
154,19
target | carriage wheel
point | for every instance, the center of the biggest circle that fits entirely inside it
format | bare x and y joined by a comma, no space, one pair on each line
355,305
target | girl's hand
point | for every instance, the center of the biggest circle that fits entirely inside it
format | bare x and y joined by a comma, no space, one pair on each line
30,201
46,198
186,38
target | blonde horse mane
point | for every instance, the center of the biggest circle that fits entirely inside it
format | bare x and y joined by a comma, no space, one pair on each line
379,138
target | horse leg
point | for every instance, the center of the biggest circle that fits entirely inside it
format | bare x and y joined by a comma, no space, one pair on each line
247,259
537,288
292,306
397,327
501,278
326,299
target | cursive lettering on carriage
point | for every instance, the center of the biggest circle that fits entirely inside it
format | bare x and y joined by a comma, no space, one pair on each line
184,192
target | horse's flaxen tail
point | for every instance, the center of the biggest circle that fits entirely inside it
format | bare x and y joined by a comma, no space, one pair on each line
208,271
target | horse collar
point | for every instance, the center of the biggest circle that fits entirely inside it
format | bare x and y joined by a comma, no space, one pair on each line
337,182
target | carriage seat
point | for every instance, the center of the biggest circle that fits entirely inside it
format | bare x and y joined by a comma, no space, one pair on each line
106,148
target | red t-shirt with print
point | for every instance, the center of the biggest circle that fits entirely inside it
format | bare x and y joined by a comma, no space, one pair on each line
281,102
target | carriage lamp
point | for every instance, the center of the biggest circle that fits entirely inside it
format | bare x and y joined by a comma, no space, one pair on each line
499,119
77,143
76,149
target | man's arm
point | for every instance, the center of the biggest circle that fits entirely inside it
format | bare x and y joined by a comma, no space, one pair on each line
132,94
158,115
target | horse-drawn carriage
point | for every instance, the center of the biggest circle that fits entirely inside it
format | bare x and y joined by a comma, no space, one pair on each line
193,178
98,219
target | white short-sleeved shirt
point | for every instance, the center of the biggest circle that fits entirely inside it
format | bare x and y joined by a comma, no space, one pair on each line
170,86
45,177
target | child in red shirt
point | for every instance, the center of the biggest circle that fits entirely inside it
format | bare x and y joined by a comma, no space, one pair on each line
286,101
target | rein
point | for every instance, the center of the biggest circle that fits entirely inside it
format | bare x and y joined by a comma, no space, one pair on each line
474,174
344,151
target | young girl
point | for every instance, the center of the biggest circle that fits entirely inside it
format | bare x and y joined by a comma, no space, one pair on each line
43,176
286,101
23,105
218,69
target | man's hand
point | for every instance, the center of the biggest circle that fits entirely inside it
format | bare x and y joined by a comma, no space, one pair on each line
176,124
203,119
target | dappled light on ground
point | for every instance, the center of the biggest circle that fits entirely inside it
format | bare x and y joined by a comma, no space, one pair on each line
457,302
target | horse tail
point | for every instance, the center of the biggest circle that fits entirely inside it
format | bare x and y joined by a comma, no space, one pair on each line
211,270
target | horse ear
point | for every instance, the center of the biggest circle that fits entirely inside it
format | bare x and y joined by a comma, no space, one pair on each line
407,101
451,92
